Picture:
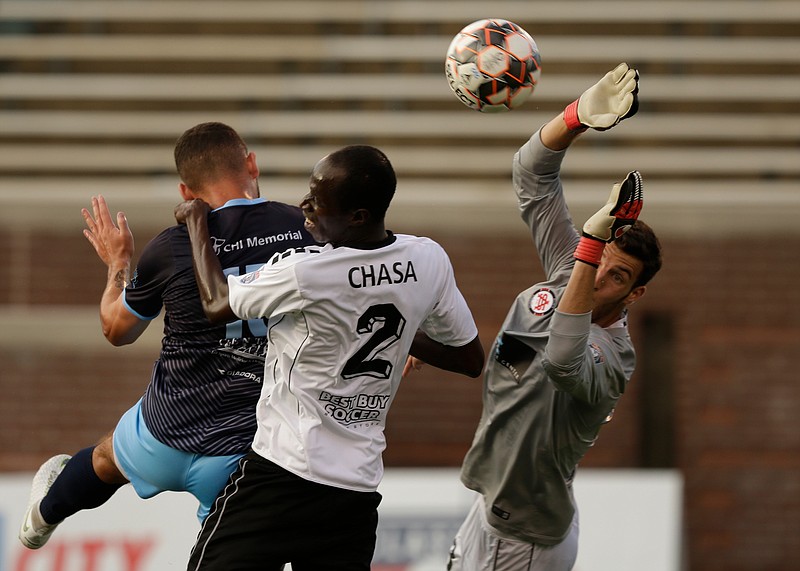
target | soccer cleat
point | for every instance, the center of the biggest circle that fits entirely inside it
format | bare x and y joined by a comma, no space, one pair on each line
34,532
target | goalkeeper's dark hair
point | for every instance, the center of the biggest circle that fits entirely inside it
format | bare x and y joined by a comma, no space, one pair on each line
209,152
370,181
643,244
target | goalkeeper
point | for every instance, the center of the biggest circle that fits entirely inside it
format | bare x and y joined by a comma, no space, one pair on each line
563,356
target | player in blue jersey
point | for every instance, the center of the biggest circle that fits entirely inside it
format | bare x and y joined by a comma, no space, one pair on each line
343,318
563,356
197,415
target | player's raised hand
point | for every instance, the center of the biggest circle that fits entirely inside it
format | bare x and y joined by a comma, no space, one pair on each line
612,220
607,102
112,241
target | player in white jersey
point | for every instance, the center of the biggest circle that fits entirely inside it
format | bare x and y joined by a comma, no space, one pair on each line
342,320
563,356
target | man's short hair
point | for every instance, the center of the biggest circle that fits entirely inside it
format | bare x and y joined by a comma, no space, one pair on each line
370,180
643,244
207,153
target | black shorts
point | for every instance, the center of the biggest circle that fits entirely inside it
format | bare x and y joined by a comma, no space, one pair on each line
266,517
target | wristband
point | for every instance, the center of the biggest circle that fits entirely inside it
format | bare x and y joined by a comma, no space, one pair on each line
590,251
571,117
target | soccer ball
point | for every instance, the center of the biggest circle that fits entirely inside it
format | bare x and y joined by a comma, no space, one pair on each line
493,65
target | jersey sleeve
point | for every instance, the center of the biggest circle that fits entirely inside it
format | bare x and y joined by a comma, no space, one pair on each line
143,297
586,366
451,321
273,288
537,184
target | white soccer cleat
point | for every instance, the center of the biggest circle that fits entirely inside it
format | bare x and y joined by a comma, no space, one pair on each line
34,532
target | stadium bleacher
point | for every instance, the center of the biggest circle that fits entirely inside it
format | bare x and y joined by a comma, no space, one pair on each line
92,91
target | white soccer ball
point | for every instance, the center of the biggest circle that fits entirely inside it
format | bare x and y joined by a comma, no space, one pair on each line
493,65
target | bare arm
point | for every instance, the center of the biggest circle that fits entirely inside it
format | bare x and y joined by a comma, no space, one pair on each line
556,136
114,246
211,282
467,360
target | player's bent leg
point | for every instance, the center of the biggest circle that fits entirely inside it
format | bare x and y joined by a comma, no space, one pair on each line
154,467
151,466
77,488
62,487
103,462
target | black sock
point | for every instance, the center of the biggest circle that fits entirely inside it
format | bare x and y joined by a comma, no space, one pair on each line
77,488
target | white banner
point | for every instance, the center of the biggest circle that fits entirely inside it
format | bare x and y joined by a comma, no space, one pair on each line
630,520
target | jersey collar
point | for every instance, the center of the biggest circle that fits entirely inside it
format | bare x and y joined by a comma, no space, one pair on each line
390,239
241,202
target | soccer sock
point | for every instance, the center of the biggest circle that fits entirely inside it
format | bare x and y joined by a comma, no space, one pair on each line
77,488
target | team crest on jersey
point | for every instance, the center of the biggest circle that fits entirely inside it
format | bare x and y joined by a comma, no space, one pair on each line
542,302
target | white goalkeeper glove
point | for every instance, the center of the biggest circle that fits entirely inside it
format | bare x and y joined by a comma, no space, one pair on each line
607,102
612,220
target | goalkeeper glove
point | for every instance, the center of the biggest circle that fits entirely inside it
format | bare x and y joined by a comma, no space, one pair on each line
607,102
612,220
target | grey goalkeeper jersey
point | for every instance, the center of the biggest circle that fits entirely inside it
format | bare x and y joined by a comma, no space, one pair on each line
551,380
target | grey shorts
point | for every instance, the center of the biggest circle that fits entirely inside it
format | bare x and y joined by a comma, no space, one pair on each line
478,547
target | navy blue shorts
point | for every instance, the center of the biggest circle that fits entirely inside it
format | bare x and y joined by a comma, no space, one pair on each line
267,517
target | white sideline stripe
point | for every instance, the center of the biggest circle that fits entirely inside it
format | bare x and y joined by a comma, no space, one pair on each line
359,87
388,48
457,123
419,159
415,11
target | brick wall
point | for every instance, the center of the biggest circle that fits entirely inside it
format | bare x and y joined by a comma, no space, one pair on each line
733,307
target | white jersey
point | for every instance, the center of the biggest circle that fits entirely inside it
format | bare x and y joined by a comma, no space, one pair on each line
341,322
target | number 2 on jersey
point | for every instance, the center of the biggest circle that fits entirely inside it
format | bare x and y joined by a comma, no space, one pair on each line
384,324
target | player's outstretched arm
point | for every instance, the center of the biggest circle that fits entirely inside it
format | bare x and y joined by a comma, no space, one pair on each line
467,360
609,101
211,282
